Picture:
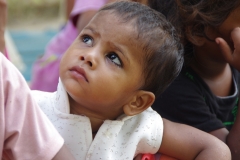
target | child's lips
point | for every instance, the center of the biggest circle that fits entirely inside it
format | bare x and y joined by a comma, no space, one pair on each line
79,72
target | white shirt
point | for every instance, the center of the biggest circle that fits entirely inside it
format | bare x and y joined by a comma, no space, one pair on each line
119,139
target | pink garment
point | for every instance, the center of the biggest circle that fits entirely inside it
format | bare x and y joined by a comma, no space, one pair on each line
45,72
6,53
25,131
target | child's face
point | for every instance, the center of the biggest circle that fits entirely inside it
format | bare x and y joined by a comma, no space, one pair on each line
102,69
229,24
224,31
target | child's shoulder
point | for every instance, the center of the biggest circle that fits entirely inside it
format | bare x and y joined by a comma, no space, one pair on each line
151,113
148,127
148,118
148,115
41,94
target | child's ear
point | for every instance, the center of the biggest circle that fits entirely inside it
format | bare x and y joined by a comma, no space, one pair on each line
139,102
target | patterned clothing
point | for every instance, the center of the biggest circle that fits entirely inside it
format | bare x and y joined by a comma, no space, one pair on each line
120,139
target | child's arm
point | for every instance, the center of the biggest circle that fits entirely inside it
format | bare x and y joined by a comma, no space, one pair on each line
185,142
233,137
232,57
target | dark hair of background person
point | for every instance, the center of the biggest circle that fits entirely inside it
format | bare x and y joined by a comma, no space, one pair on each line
192,17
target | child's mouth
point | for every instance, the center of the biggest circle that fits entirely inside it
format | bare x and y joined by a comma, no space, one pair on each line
79,73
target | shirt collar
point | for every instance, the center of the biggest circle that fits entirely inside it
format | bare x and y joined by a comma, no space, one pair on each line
62,102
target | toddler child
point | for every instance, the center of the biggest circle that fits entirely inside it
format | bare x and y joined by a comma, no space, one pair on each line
109,78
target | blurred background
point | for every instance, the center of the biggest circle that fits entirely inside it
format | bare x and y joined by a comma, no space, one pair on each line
30,26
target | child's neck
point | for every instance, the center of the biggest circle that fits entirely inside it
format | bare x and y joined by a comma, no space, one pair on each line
215,76
95,121
95,124
208,69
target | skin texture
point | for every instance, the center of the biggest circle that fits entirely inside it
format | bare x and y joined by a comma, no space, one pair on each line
232,56
212,62
191,143
99,50
102,75
85,17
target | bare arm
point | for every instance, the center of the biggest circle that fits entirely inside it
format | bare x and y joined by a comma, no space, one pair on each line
233,138
64,153
185,142
233,58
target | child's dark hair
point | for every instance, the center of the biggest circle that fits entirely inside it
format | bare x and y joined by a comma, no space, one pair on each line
158,39
194,14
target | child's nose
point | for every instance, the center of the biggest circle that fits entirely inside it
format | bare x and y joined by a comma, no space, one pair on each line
90,59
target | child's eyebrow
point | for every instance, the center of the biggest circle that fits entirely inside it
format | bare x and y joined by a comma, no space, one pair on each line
119,49
92,30
110,43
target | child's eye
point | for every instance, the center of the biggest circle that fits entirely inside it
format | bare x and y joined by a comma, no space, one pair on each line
88,40
114,58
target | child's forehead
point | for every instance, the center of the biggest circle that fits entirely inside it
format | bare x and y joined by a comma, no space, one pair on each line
109,21
114,14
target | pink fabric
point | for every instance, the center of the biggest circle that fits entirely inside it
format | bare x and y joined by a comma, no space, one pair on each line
45,71
6,53
25,131
85,5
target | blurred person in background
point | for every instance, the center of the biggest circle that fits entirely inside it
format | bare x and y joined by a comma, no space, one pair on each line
205,95
45,69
